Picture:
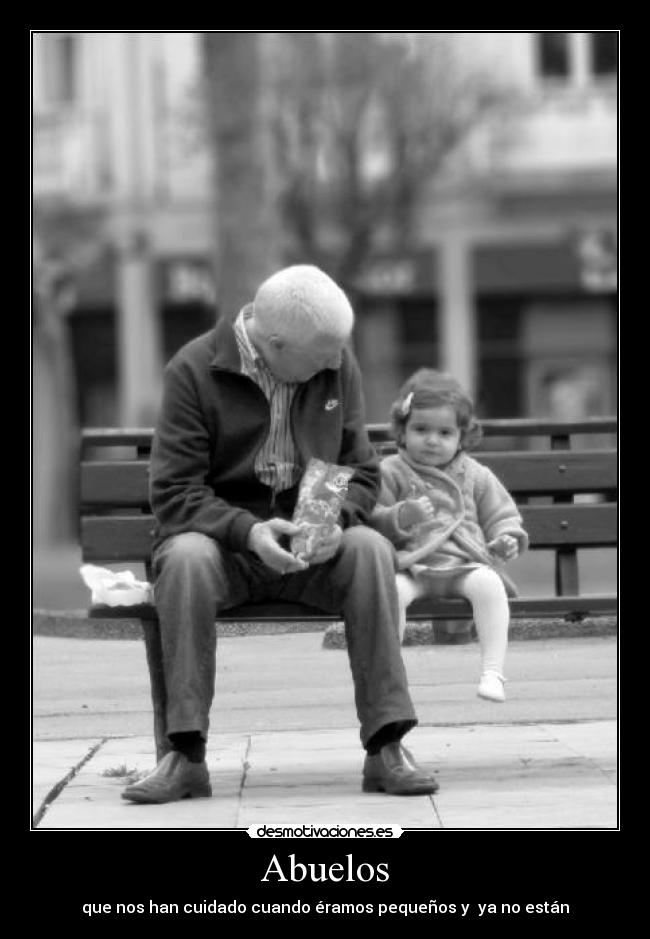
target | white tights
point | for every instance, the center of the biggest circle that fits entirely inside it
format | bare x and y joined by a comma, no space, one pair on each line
485,591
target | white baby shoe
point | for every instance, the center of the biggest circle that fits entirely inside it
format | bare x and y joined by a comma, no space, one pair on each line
491,686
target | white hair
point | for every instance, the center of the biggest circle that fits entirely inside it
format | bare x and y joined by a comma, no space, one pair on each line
300,296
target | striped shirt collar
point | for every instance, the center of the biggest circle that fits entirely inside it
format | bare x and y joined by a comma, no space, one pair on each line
276,462
251,360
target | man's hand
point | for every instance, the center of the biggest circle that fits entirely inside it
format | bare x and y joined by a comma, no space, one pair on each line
263,540
505,546
415,511
325,545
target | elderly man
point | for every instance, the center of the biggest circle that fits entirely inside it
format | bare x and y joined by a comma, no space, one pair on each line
244,408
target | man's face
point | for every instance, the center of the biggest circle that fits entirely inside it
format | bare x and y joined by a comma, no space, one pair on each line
299,359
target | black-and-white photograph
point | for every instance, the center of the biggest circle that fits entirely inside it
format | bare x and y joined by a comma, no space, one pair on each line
324,441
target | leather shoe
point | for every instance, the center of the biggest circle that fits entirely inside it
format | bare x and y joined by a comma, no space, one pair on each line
173,778
394,770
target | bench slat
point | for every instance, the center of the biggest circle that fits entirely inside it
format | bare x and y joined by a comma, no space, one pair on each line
520,606
116,538
128,538
495,427
271,612
524,427
125,484
580,525
115,484
547,473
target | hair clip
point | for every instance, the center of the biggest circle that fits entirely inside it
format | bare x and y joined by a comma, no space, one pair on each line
405,407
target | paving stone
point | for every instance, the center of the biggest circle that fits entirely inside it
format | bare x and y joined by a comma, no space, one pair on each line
52,761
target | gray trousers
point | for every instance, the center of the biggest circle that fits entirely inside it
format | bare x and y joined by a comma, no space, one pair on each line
195,578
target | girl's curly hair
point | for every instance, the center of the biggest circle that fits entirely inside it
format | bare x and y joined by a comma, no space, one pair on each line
429,388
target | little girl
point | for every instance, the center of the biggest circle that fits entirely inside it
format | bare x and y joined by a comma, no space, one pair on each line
452,521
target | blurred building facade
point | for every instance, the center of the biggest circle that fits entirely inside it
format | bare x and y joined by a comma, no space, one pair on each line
513,283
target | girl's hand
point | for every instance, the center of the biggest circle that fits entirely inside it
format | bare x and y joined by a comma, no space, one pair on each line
414,512
505,546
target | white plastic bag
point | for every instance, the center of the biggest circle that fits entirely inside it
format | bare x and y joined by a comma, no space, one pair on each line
115,588
320,496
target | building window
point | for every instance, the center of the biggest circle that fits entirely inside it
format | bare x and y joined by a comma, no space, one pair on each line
553,55
604,54
60,55
575,60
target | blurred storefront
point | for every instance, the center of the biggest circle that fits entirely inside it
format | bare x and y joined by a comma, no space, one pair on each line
543,316
183,292
543,322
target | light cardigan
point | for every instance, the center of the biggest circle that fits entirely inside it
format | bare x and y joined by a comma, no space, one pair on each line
472,508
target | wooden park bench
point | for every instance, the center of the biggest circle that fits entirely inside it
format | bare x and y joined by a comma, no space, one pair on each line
567,495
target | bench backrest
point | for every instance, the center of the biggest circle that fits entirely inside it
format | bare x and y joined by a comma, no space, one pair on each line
567,494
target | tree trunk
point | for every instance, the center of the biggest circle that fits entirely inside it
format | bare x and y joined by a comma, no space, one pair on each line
54,430
247,235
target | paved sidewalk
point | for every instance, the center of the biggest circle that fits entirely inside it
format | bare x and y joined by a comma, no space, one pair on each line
284,746
491,776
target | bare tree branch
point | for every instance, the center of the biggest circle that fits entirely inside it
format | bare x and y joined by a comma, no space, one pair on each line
359,125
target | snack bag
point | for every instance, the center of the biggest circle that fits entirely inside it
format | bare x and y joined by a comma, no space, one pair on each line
321,494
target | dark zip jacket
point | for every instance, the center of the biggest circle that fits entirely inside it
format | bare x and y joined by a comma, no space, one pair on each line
212,422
